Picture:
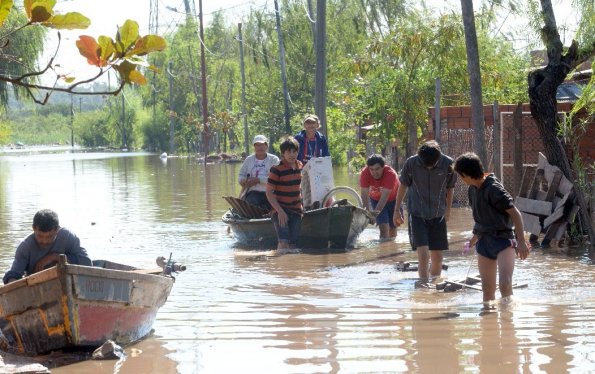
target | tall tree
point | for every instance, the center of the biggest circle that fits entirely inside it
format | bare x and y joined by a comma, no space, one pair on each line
479,144
543,84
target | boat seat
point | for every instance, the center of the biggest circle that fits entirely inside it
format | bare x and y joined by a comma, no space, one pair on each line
244,208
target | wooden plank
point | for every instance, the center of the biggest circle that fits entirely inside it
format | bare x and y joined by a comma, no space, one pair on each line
553,186
43,276
535,184
529,176
517,151
561,230
558,212
565,185
149,271
543,208
531,223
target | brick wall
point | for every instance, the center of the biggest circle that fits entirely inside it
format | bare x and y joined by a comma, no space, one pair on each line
459,119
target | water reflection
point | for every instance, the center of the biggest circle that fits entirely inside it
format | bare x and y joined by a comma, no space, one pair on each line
244,311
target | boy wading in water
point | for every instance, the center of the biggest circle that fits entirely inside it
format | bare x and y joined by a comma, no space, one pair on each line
284,194
495,216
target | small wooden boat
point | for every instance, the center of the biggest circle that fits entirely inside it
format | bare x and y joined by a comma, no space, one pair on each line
334,228
68,306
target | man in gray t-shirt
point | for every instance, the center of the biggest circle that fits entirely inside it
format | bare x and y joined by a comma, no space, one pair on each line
430,179
42,248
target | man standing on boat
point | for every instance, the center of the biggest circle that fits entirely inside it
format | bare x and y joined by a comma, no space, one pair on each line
312,142
430,179
255,172
43,247
379,183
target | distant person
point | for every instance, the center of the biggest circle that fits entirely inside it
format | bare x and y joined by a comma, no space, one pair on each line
379,184
495,216
284,194
42,248
312,142
430,180
254,173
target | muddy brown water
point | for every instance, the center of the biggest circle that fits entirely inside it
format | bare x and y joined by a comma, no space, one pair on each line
236,310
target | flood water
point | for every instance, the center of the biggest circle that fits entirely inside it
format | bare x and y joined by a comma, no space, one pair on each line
236,310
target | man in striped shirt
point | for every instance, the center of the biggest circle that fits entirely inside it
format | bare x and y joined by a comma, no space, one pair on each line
284,194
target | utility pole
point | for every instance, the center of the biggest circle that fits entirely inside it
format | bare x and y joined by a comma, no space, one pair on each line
203,71
123,122
320,93
244,118
283,73
71,122
171,106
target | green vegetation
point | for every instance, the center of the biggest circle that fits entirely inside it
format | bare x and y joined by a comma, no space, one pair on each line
383,57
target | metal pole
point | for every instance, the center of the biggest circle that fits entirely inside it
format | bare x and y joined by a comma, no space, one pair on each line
283,73
203,73
320,93
244,118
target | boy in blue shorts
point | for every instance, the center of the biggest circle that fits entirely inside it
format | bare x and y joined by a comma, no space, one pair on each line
495,216
379,184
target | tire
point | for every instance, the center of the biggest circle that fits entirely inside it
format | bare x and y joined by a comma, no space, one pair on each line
346,189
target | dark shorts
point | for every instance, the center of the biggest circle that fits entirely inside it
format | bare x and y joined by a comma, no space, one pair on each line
291,231
386,214
489,246
429,232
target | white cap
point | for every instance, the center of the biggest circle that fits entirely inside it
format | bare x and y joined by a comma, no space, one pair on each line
260,139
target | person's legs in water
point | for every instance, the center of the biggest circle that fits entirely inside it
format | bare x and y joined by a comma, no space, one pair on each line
505,269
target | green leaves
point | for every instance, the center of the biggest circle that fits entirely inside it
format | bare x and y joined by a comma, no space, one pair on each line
123,54
5,7
68,21
42,12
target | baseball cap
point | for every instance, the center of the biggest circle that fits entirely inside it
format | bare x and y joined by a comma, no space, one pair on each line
260,139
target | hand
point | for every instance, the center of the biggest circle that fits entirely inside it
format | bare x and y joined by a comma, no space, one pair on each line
522,249
282,216
398,218
473,241
46,262
253,181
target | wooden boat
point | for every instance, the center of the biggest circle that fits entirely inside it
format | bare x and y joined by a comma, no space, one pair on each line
68,306
334,228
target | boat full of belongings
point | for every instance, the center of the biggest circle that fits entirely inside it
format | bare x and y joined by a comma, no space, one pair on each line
329,223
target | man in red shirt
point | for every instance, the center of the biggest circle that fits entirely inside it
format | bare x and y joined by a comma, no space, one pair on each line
379,184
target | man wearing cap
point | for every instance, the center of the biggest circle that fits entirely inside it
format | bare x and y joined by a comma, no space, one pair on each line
312,142
255,171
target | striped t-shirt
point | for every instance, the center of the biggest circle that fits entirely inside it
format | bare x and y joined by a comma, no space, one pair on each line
286,185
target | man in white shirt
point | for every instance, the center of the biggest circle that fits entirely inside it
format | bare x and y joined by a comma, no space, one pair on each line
255,171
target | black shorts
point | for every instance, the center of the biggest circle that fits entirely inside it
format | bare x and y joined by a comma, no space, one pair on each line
489,246
429,232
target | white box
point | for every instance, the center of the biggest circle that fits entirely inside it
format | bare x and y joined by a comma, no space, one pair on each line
317,179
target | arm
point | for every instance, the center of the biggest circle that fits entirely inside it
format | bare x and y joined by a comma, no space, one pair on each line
397,216
384,192
365,197
17,270
449,196
324,148
275,204
243,174
75,253
522,247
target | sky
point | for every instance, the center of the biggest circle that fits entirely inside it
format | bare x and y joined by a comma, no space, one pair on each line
106,15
